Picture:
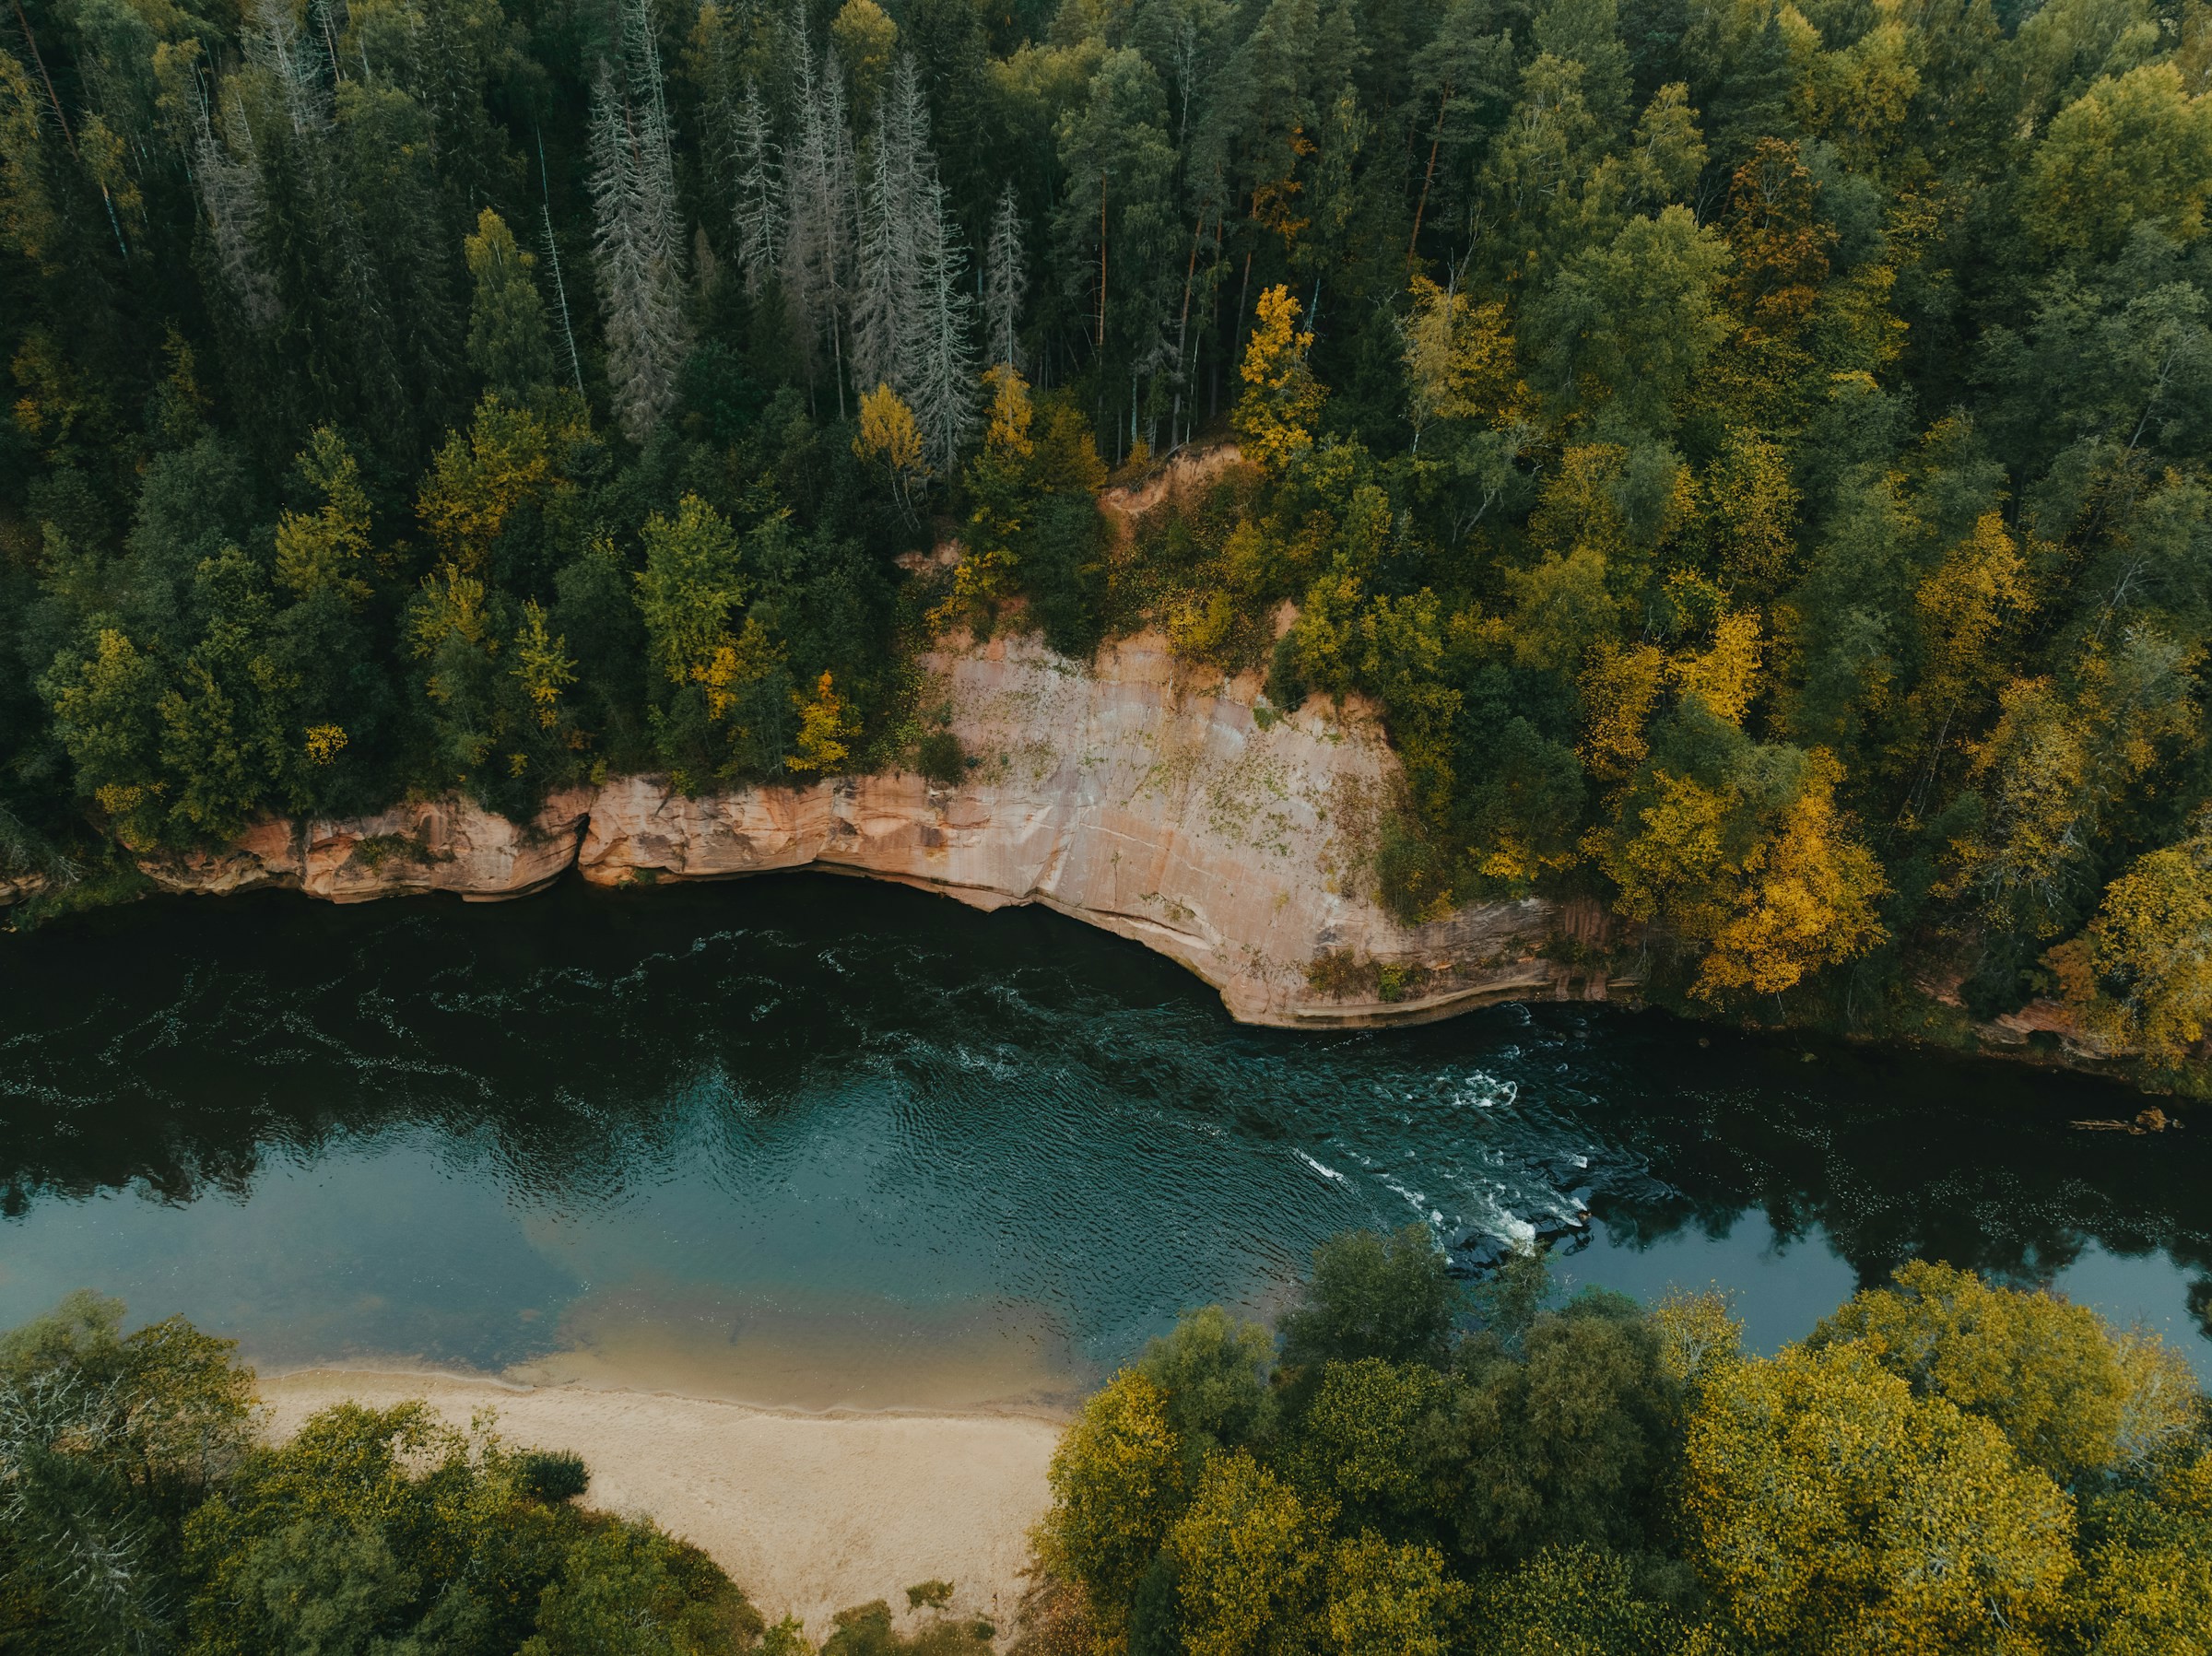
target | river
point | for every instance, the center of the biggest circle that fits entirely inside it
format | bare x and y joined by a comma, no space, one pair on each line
807,1141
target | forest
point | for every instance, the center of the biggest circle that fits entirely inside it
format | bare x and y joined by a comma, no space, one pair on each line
1752,453
1401,1466
140,1511
1943,1465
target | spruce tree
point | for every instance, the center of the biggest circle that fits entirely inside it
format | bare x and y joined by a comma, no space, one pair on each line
942,340
1006,282
637,236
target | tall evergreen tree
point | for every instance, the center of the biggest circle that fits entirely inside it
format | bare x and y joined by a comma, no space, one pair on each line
757,197
942,343
819,244
637,236
1006,282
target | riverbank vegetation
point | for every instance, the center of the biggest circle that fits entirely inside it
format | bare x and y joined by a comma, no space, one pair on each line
1944,1465
1752,454
1399,1467
140,1511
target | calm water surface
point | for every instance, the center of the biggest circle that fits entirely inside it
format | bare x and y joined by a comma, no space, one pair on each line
803,1140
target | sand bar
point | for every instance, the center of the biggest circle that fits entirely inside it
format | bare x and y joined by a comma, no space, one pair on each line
808,1512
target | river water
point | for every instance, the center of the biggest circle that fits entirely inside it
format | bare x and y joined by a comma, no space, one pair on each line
802,1139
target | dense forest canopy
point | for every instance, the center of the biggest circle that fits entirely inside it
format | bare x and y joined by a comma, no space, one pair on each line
1943,1465
1753,454
1398,1467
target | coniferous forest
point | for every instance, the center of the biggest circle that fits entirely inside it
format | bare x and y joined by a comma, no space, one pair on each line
1752,453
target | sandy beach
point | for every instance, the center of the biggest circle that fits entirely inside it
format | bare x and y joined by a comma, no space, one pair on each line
808,1512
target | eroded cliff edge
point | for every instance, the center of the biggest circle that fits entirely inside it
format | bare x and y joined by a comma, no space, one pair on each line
1175,810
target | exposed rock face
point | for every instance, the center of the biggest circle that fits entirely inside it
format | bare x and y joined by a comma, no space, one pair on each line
2045,1016
1173,810
439,845
20,887
1136,799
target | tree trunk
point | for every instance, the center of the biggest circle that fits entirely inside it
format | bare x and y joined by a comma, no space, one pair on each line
1435,140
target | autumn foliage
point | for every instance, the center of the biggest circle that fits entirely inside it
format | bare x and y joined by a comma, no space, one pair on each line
1944,1466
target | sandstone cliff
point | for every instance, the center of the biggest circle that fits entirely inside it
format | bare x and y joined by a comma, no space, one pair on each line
1177,811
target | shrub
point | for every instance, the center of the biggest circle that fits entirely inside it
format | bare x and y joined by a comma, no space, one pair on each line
1413,877
941,759
551,1475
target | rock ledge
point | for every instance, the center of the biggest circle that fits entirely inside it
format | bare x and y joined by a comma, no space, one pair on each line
1176,810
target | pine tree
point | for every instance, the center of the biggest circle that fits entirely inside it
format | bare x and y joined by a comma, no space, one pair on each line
231,195
886,299
818,184
759,209
637,237
507,339
1006,282
942,337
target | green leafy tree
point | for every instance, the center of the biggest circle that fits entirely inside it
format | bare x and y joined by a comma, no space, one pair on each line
1119,1483
1385,1298
326,548
1212,1371
1572,1602
108,1441
508,343
2135,148
1826,1502
1250,1556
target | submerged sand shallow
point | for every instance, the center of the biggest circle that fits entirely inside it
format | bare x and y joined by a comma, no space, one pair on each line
808,1512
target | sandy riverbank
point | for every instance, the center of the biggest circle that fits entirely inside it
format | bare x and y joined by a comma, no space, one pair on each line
808,1513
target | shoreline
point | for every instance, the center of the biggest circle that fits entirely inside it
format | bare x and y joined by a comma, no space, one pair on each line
810,1511
398,1373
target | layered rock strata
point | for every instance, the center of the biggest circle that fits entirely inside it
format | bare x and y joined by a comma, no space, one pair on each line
1178,811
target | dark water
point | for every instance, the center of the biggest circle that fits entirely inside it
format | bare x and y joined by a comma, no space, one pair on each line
807,1140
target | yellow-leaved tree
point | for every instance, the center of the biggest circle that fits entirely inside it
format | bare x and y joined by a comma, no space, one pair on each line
1725,675
324,548
2150,951
1756,870
1751,509
1119,1483
1250,1556
1459,359
889,438
1965,608
2071,1396
826,730
543,664
1387,1599
1282,400
1829,1507
2146,1590
478,482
